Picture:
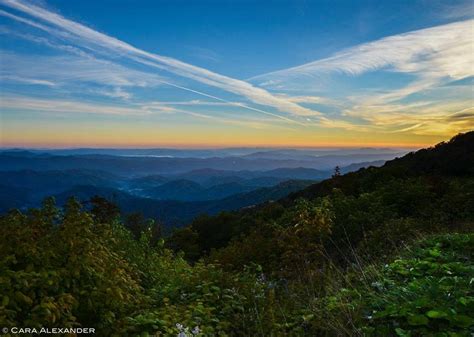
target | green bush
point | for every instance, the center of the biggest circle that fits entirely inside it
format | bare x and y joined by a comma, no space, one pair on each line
68,269
426,292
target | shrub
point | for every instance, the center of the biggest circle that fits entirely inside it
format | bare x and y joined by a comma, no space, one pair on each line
426,292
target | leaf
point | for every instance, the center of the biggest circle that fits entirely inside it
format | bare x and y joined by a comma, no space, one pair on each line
463,321
402,333
308,317
434,252
417,320
463,300
436,314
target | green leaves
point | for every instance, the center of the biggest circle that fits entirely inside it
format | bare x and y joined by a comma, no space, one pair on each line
85,271
462,321
436,314
417,320
426,292
72,269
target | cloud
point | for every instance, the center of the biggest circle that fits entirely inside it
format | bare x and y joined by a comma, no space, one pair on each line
310,99
68,106
422,118
73,69
25,80
433,57
205,54
94,40
461,10
63,107
197,102
115,93
434,52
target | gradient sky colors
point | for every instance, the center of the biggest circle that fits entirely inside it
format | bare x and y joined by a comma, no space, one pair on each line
235,73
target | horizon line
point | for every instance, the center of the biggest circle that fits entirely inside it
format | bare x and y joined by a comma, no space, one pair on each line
220,147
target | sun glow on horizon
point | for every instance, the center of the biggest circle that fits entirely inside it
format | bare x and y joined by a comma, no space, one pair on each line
66,84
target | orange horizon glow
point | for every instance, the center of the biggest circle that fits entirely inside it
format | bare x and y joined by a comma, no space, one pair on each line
53,136
207,145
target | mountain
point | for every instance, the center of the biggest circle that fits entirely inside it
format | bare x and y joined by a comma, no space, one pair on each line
38,185
227,189
298,173
248,152
168,213
14,197
136,166
258,196
147,181
375,251
187,190
358,166
176,213
424,191
209,176
54,174
175,190
454,158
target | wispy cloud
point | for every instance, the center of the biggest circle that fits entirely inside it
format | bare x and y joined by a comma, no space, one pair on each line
197,102
116,92
73,69
463,10
432,57
62,107
25,80
67,106
205,53
433,52
422,118
310,99
91,39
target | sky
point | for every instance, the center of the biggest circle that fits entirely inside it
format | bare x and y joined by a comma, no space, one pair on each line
129,73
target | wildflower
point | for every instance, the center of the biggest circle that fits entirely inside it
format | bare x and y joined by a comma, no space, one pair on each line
377,285
196,331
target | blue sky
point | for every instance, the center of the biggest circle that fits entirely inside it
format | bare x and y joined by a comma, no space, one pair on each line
217,73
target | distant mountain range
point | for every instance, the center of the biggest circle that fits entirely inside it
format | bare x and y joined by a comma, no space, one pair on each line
141,165
170,189
196,185
172,213
255,153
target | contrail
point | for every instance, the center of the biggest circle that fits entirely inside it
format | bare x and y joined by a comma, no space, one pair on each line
87,36
231,103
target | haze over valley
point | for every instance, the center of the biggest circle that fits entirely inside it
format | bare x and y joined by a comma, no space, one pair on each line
174,185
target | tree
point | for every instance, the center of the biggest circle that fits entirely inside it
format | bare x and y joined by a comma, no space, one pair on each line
136,223
103,210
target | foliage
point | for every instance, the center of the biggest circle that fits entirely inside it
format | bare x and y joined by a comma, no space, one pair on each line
67,268
62,275
381,252
426,292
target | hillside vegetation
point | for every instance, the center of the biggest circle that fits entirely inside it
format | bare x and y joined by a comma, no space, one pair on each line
380,252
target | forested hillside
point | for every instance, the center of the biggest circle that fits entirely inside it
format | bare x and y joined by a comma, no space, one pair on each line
429,190
383,251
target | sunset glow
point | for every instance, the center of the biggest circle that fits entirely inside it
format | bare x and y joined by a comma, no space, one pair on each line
71,77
